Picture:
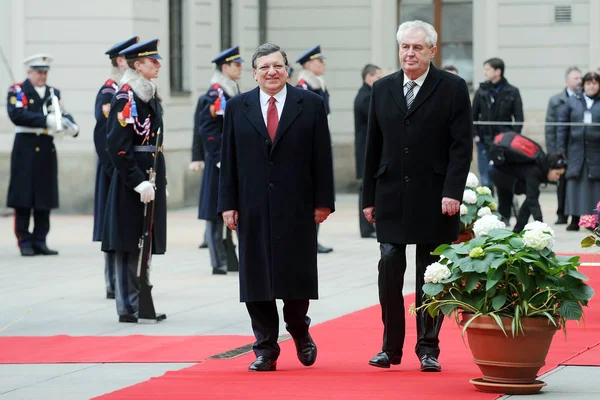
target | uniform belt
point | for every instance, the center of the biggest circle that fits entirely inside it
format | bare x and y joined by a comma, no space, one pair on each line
27,129
146,149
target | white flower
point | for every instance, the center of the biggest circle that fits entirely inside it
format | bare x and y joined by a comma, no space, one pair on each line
484,211
483,225
463,210
472,180
469,197
436,272
538,235
483,190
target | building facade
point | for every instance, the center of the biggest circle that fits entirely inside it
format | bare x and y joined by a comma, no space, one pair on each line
538,40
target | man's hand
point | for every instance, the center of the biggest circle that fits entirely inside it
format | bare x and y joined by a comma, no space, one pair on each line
196,166
321,214
369,213
450,206
230,217
476,138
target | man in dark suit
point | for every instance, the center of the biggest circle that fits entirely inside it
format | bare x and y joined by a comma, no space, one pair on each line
556,103
418,156
370,74
276,181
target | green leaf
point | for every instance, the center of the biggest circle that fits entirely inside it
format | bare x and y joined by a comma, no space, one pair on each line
498,248
499,234
498,301
472,281
577,274
433,289
491,282
480,265
448,309
467,264
572,310
476,242
582,292
516,243
588,242
498,262
522,274
440,249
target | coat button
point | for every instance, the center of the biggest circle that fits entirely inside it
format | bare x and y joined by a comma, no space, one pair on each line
271,163
406,150
406,179
272,186
407,121
267,142
37,149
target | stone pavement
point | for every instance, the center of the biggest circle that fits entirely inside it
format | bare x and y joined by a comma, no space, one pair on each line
65,295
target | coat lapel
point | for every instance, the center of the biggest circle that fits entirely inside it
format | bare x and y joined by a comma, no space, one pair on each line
432,80
291,110
397,90
254,113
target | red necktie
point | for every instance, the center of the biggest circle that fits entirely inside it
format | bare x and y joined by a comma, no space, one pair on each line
272,118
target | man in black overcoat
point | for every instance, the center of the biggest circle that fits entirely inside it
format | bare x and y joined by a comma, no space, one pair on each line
276,181
370,74
418,156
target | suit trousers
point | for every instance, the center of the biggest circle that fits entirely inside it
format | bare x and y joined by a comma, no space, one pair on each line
392,267
265,324
216,248
41,226
561,194
109,272
127,287
366,228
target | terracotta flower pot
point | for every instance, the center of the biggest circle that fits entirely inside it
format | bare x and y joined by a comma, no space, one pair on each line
464,237
509,360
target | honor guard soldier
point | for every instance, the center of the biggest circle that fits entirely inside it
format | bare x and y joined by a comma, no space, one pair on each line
134,143
38,114
104,168
311,78
208,123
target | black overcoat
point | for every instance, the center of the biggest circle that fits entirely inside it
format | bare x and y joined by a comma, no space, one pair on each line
124,218
361,118
33,167
417,156
104,167
276,187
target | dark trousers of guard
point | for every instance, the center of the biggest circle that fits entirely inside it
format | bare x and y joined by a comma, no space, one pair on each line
109,274
392,267
265,324
41,227
366,228
561,195
126,283
216,248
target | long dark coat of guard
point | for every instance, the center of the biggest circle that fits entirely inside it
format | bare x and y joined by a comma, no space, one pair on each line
417,156
124,218
276,187
34,166
104,168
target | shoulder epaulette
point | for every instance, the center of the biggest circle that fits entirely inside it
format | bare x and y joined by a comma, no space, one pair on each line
15,87
215,86
302,83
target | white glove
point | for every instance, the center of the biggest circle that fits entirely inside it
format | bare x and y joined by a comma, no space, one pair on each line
51,122
69,128
146,191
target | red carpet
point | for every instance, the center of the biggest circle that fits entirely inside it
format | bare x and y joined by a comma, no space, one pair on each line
341,371
114,349
588,357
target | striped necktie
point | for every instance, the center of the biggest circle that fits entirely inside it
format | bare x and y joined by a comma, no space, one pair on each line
410,95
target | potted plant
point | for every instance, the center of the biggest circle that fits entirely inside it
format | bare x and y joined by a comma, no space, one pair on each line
591,224
511,293
477,201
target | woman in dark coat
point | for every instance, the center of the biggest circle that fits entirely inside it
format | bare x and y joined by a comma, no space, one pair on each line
581,145
134,137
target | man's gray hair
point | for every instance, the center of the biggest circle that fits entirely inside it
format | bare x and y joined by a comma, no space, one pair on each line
571,69
431,34
265,50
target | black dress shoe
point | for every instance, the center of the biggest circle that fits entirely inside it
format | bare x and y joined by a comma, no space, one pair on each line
220,270
110,295
203,245
128,318
27,251
44,250
430,363
263,364
306,350
371,235
383,359
562,220
322,249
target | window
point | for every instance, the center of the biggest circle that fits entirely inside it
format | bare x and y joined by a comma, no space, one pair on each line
226,13
453,21
177,45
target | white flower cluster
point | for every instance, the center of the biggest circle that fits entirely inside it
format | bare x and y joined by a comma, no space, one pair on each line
484,211
483,225
463,210
472,180
469,197
538,235
436,272
483,190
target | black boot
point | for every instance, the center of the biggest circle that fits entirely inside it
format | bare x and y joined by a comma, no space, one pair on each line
44,250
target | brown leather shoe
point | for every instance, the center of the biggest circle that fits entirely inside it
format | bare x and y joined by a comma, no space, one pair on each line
383,359
263,364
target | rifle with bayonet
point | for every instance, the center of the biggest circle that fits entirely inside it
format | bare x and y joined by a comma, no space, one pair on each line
146,309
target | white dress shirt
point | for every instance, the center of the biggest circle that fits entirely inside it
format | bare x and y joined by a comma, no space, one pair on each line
279,103
419,82
588,101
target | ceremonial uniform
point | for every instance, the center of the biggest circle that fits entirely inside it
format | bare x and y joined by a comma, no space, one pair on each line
134,123
307,80
208,122
105,168
37,116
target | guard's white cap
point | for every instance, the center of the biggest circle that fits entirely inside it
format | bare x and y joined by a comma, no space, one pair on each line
38,61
